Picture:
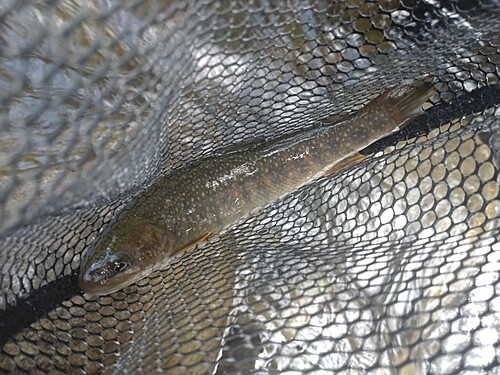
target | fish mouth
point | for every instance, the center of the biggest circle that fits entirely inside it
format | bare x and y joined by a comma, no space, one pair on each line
107,273
97,280
88,284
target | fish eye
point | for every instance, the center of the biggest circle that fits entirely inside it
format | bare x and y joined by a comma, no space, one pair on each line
120,262
120,266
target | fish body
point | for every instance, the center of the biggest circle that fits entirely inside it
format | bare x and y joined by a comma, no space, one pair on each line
185,207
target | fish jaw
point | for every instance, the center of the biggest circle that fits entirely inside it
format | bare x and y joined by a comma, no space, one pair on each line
104,287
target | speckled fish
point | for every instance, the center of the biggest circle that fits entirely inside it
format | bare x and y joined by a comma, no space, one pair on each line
184,208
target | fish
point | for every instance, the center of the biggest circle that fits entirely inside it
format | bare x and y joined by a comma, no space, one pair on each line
192,204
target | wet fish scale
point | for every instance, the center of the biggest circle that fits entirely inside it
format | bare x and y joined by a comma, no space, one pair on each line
216,193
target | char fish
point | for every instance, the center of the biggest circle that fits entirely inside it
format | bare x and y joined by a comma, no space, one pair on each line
187,206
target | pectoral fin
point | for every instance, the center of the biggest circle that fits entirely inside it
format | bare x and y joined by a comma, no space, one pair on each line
344,164
196,242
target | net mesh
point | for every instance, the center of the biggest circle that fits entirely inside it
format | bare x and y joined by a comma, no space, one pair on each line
390,267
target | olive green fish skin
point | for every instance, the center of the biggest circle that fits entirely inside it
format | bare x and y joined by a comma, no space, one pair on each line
216,193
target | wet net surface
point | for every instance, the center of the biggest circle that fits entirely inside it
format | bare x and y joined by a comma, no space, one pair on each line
390,267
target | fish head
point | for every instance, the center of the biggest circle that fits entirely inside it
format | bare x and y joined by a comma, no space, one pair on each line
123,256
109,273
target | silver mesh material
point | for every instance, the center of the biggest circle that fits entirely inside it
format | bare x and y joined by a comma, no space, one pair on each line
390,267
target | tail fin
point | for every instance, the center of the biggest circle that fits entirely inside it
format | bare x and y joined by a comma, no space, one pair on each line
404,102
380,117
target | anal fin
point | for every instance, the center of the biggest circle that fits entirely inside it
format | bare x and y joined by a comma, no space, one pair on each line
345,163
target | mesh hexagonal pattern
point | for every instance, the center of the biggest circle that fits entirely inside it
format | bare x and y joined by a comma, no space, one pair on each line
390,267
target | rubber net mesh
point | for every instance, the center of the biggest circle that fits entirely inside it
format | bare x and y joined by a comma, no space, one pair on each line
391,267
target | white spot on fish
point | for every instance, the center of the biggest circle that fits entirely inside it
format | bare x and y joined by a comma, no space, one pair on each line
299,156
233,174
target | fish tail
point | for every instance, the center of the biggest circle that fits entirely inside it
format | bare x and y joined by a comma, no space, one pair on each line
404,102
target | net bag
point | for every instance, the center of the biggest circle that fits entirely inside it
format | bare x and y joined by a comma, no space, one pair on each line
390,267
